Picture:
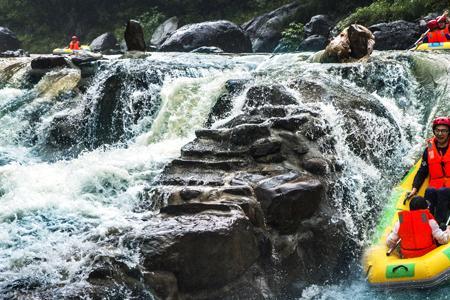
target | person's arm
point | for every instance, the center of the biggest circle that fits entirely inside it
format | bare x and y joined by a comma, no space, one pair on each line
393,237
441,236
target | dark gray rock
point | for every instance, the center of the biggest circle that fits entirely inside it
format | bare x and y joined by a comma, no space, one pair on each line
134,36
317,166
319,25
222,34
265,30
268,95
265,147
207,50
163,31
313,43
204,251
8,40
48,62
287,204
397,35
106,41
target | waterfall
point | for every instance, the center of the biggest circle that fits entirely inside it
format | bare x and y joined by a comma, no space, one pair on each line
75,163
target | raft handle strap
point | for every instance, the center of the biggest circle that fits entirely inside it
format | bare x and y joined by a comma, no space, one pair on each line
398,267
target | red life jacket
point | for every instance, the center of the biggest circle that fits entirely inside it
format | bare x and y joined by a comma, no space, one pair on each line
438,166
436,36
74,45
415,232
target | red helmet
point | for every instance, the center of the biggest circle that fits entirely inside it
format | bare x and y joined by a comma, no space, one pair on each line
433,24
441,121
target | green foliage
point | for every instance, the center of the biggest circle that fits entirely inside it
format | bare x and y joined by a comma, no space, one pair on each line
390,10
292,36
150,20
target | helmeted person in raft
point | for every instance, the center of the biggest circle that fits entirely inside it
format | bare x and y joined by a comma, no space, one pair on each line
436,163
417,230
74,43
438,30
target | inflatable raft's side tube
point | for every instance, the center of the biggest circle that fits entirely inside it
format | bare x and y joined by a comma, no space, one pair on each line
433,46
59,51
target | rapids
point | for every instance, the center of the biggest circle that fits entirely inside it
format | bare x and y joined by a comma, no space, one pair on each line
59,203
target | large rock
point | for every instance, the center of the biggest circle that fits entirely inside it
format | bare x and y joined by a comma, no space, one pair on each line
106,41
205,251
319,25
163,31
48,62
222,34
398,35
313,43
134,36
265,31
262,95
287,204
8,40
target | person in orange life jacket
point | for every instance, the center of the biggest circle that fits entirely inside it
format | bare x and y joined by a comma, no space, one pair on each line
436,163
416,228
74,43
438,30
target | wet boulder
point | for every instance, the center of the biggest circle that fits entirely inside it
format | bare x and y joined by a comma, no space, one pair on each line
287,204
397,35
163,31
134,36
206,250
222,34
265,30
16,53
106,41
48,62
207,50
8,40
258,96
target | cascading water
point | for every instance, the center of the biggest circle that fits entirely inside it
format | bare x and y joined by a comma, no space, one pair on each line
60,208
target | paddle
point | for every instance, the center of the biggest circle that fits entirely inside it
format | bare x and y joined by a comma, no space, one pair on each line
393,247
414,46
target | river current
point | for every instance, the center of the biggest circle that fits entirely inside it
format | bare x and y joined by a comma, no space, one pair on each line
59,204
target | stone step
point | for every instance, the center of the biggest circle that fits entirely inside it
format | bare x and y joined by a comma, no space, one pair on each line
199,150
244,134
224,165
192,179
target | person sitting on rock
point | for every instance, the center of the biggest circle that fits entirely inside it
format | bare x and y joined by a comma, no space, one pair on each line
74,43
416,228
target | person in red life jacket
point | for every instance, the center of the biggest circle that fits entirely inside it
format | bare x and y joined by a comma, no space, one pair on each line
74,43
438,31
436,163
417,230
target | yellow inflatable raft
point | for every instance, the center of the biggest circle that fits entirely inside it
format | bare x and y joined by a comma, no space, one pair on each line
59,51
393,272
433,46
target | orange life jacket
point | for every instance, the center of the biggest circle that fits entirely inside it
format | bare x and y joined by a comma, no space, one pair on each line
438,166
74,45
437,36
415,232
